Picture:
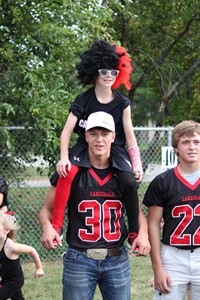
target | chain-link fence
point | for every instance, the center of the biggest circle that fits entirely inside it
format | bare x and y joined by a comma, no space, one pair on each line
27,176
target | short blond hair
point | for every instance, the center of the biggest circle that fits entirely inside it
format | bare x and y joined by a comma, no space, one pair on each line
185,128
8,222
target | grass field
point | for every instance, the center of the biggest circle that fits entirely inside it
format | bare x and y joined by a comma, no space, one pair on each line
49,287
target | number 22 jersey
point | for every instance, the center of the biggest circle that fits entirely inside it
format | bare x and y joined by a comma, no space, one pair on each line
181,208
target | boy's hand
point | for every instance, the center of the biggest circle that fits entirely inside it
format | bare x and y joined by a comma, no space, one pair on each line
140,246
48,236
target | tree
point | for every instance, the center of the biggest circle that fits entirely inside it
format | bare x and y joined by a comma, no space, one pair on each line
163,40
40,42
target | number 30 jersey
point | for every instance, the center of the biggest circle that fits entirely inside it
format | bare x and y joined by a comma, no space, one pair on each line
95,211
181,208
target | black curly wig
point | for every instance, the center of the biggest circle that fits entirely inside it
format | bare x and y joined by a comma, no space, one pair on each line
100,56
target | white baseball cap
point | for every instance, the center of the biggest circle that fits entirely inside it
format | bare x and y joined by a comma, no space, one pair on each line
100,119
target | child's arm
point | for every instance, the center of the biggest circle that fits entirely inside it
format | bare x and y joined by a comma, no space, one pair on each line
133,149
1,198
16,249
13,250
64,145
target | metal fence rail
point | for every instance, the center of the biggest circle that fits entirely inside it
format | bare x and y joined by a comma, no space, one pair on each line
28,187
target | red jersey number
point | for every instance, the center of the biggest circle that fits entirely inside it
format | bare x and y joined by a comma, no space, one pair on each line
95,230
178,238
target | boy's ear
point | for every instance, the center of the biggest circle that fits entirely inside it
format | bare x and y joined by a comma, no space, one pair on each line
176,151
114,135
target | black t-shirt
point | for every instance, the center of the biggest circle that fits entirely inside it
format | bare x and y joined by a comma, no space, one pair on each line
87,103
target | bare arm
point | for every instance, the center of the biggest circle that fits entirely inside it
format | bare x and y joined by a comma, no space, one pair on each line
14,249
161,278
1,198
4,208
132,144
64,145
45,217
142,240
128,127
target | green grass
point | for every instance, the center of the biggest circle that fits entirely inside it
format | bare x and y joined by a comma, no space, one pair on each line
50,285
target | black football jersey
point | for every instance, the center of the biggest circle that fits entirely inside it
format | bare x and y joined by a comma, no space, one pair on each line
181,208
87,103
95,211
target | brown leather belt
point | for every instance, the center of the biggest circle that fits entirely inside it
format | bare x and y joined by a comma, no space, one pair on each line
102,253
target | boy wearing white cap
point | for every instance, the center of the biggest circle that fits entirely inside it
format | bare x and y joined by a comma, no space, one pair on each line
96,226
103,120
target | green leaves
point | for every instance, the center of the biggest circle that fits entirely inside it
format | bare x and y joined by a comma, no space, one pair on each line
40,43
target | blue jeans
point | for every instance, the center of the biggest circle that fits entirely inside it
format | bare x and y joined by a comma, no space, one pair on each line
81,275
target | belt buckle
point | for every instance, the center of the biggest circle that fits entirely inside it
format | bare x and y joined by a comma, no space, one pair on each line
97,254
